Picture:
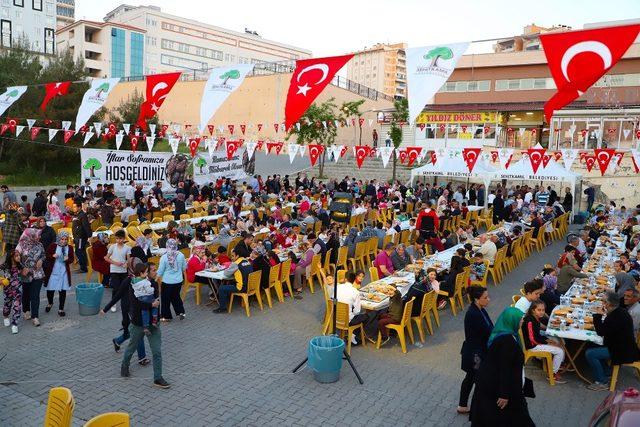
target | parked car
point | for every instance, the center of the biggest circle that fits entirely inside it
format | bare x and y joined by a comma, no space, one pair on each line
619,409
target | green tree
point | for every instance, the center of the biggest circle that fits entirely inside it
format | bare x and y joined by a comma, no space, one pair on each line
313,132
231,74
201,163
93,165
351,110
400,116
437,53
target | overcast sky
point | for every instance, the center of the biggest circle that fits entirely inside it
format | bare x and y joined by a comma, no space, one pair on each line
332,27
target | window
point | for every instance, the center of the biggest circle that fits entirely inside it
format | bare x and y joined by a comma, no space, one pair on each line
229,58
167,26
49,40
152,22
117,52
463,86
5,29
19,3
618,80
151,41
36,4
137,54
525,84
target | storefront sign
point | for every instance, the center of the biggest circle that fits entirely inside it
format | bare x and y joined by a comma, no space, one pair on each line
459,117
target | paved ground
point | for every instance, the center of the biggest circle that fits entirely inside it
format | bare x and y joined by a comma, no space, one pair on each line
233,370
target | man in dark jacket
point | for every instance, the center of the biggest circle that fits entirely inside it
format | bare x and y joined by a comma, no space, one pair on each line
81,234
619,341
498,207
39,207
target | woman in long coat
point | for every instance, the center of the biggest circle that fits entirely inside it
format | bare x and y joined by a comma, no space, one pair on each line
57,271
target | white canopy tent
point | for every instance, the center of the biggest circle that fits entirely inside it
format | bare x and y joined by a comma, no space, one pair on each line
456,168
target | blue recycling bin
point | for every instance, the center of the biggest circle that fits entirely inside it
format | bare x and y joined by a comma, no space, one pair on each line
325,358
89,297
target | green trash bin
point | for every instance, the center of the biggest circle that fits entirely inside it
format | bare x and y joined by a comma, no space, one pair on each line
89,297
325,358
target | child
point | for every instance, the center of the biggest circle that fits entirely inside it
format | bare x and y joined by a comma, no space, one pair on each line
143,291
12,269
478,267
533,340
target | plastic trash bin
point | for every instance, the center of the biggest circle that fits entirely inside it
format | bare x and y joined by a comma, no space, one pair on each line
325,358
89,297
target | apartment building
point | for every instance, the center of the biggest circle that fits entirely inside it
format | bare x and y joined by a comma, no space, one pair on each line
108,49
176,43
65,12
382,67
32,22
528,40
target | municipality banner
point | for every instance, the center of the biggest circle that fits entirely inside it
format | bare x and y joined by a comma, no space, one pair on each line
11,95
220,84
93,99
208,168
428,68
120,167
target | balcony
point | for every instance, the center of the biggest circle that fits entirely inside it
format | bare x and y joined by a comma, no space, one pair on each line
93,47
94,64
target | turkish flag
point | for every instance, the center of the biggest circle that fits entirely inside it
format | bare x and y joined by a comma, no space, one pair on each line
243,128
638,134
343,151
589,161
193,146
211,128
315,150
3,128
635,165
412,154
361,152
277,145
276,126
158,87
67,135
434,157
52,90
421,126
260,144
536,157
134,143
603,156
163,132
577,59
113,129
557,155
464,128
12,124
259,125
619,155
545,160
487,129
231,127
470,156
232,147
494,156
403,156
34,132
442,127
309,78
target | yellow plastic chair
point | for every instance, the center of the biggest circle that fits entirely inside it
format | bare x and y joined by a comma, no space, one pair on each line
90,270
156,220
483,281
109,419
616,370
515,299
185,216
285,277
372,249
167,218
359,256
274,275
341,261
456,298
405,323
373,272
327,267
313,271
342,275
60,408
428,307
342,324
328,310
545,356
188,285
253,289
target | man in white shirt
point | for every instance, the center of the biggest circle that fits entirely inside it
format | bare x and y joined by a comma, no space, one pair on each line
130,191
127,212
488,249
349,295
528,196
631,298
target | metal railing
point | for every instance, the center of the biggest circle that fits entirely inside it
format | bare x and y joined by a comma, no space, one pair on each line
284,67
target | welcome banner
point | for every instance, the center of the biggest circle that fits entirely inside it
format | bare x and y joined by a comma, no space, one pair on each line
207,168
120,167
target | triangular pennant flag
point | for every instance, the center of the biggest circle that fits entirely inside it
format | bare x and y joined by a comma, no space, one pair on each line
298,126
126,127
19,130
370,122
3,128
336,123
119,138
536,158
34,132
87,137
303,150
494,156
293,151
52,133
434,158
150,141
635,158
276,145
173,143
210,145
343,150
98,127
361,152
31,122
251,148
402,154
232,147
134,143
603,156
66,124
521,131
464,128
412,154
259,126
315,150
152,128
231,128
193,146
421,126
545,160
557,155
243,128
626,133
324,124
276,126
360,121
470,156
569,155
385,155
589,161
211,129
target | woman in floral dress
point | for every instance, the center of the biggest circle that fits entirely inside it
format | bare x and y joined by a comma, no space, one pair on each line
32,257
12,270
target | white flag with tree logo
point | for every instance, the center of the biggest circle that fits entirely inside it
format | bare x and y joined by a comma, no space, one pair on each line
11,95
93,99
428,68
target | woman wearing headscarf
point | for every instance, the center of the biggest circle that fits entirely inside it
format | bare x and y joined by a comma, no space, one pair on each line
32,258
172,267
350,241
47,233
499,398
99,249
57,271
142,249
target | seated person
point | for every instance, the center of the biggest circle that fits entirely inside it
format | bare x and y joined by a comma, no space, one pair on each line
197,262
434,242
236,279
400,258
416,251
532,291
478,267
619,341
349,295
383,261
550,296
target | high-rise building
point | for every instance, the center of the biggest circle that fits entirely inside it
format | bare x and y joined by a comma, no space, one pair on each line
65,12
176,43
108,49
382,67
528,40
32,22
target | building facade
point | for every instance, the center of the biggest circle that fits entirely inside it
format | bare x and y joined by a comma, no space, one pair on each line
65,12
175,43
108,49
382,67
528,40
28,22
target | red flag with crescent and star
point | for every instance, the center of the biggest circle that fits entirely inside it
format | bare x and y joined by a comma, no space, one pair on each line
158,87
589,161
232,147
193,146
577,59
412,154
134,143
52,90
310,77
604,156
276,145
470,156
545,160
536,157
403,156
361,152
315,150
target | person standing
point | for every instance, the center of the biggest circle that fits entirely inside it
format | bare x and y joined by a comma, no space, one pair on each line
374,137
477,329
118,256
47,233
81,233
498,208
567,202
481,194
136,333
57,271
12,270
12,227
499,399
130,192
590,192
171,270
32,257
